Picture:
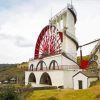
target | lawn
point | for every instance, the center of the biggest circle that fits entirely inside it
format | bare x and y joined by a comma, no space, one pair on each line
88,94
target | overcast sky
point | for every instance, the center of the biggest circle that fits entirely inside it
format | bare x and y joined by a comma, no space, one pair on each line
22,20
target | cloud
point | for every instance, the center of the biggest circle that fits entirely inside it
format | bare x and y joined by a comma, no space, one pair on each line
17,40
22,42
22,20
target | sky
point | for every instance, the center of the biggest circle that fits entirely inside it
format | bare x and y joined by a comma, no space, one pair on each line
22,20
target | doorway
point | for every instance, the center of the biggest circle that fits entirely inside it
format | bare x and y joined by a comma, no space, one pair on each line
45,79
80,84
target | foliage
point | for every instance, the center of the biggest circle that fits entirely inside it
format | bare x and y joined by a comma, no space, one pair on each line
9,72
52,98
48,98
87,57
8,93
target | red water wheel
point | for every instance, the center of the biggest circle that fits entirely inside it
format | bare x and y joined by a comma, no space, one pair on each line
48,42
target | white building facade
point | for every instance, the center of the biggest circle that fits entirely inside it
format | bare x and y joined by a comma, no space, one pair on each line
83,79
55,57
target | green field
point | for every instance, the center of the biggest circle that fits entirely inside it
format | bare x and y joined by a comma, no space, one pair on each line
88,94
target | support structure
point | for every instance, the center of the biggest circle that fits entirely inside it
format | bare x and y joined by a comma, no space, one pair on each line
55,52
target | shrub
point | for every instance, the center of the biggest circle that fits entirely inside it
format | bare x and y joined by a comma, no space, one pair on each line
52,98
48,98
8,93
92,83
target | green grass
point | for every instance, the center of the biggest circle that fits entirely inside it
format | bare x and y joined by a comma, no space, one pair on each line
88,94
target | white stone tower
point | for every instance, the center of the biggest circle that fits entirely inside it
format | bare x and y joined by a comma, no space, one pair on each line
65,22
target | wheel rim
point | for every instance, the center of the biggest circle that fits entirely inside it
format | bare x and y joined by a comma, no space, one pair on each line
48,42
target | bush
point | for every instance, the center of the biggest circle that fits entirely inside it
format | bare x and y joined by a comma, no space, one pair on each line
92,83
8,93
48,98
52,98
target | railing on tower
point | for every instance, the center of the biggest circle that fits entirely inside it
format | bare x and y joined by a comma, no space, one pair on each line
61,67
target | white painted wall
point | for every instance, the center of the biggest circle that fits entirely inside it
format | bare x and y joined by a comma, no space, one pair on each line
68,81
78,77
68,46
56,76
62,61
86,81
70,22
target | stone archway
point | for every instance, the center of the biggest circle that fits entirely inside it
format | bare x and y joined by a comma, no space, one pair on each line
32,78
31,67
45,79
41,65
53,65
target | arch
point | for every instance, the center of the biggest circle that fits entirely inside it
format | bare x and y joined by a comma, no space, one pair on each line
45,79
41,65
32,78
31,67
53,65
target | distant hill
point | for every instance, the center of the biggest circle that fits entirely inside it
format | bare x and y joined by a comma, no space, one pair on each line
8,71
8,65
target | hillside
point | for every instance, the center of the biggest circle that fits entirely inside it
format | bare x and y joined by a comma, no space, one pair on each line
7,65
11,71
92,93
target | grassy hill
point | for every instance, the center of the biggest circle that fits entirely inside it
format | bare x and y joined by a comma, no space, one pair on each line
92,93
12,71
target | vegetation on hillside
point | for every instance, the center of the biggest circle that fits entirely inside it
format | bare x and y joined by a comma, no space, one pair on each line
87,57
7,65
7,73
9,93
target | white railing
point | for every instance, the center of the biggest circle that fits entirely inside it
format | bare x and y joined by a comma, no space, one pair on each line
61,67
